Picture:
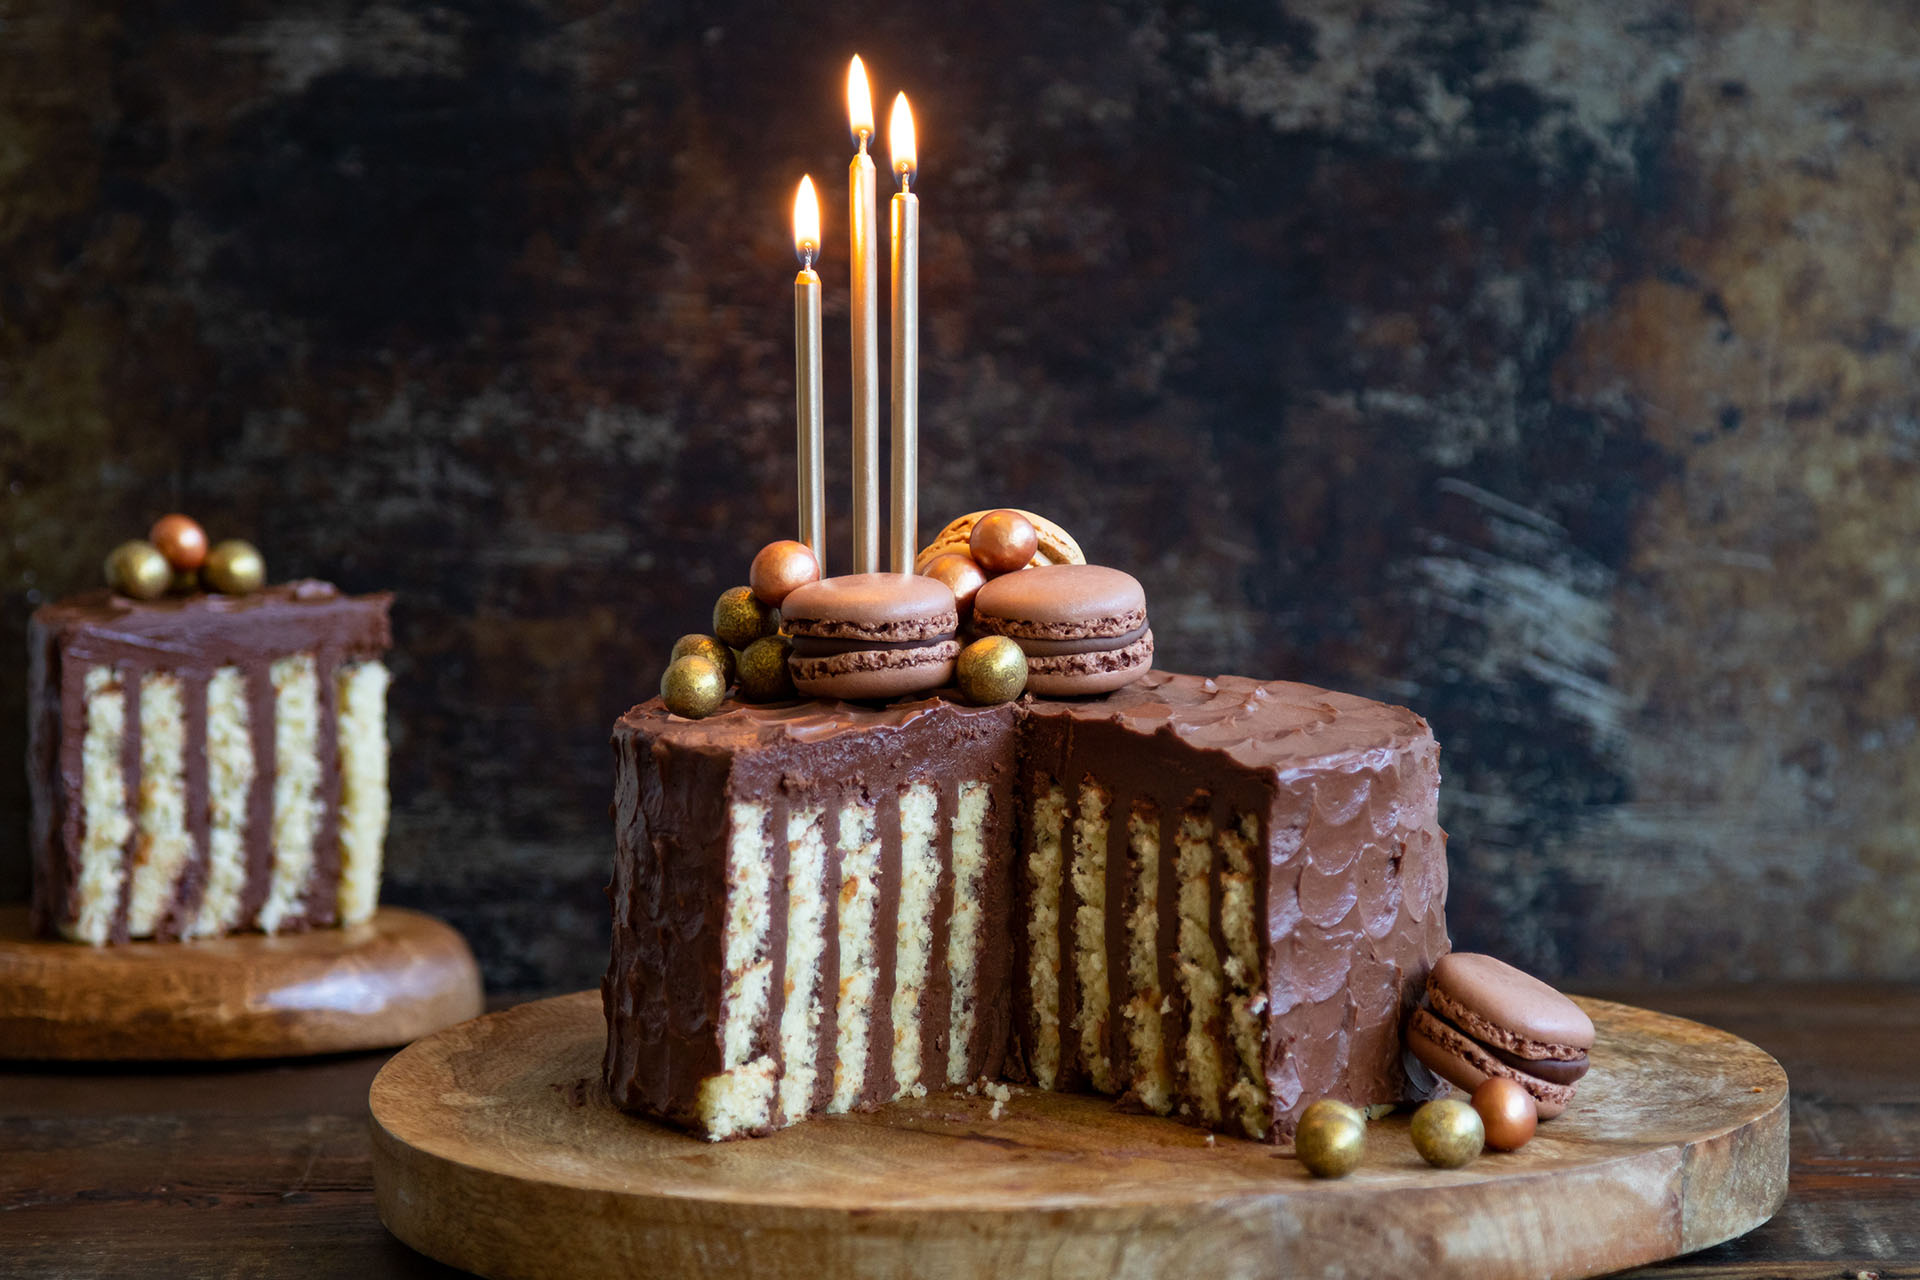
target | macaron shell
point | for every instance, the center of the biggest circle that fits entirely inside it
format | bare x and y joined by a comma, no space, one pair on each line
1079,674
1495,1002
888,607
876,673
1455,1058
1061,602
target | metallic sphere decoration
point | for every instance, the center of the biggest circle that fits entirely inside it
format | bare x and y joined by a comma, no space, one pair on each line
991,670
138,569
1508,1112
181,540
740,618
234,568
693,687
764,674
960,574
708,647
1331,1138
1003,541
779,567
1448,1133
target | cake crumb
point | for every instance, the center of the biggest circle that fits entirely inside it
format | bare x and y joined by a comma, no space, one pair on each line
999,1093
1210,1140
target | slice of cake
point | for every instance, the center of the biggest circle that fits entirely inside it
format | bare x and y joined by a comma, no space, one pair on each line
205,764
1212,899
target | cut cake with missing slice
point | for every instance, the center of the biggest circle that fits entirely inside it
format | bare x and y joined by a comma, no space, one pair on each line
1215,900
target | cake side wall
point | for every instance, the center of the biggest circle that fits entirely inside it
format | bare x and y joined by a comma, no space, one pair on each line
53,829
1355,915
663,983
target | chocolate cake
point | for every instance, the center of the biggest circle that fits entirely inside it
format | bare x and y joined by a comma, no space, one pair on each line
207,763
1211,899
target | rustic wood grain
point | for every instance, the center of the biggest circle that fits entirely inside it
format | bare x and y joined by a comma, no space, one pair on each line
397,977
496,1150
264,1169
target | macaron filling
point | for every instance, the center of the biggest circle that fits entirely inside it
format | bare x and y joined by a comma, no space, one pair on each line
1036,648
1518,1050
806,646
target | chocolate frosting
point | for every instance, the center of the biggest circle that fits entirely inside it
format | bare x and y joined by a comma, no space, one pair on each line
1351,900
190,637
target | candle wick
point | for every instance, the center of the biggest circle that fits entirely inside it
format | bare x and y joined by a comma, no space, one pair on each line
864,135
906,177
807,252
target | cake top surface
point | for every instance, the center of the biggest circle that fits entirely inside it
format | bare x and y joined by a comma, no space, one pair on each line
1070,599
1269,725
285,618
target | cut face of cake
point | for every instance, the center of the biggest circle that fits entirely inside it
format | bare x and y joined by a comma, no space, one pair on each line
1215,900
207,764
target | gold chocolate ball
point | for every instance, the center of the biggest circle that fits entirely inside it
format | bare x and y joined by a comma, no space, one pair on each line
1331,1139
1003,541
234,568
708,647
779,567
764,675
181,540
1448,1133
740,618
1508,1112
961,575
991,669
693,687
138,569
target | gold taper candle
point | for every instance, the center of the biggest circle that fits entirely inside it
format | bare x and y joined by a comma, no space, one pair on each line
861,229
809,392
905,226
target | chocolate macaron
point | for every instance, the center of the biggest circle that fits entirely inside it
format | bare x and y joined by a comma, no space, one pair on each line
1483,1018
871,635
1083,627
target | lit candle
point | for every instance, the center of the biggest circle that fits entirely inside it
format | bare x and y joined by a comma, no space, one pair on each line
906,340
866,327
809,397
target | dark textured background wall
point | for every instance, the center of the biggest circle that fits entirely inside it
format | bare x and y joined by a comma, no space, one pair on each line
1541,364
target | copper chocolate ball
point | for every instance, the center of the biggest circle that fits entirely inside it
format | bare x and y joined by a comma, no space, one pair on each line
740,617
1448,1134
705,646
961,575
991,670
1003,541
779,568
693,687
181,540
138,569
764,675
1330,1139
234,568
1507,1111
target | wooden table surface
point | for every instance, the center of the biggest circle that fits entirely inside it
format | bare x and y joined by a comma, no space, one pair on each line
264,1170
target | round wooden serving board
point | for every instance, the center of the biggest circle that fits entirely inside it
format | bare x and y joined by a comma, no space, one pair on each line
496,1150
393,979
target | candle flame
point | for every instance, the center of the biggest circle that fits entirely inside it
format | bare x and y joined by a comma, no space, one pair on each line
900,141
859,101
806,222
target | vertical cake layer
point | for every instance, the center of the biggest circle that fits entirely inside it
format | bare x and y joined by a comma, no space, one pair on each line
1264,922
205,764
854,950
